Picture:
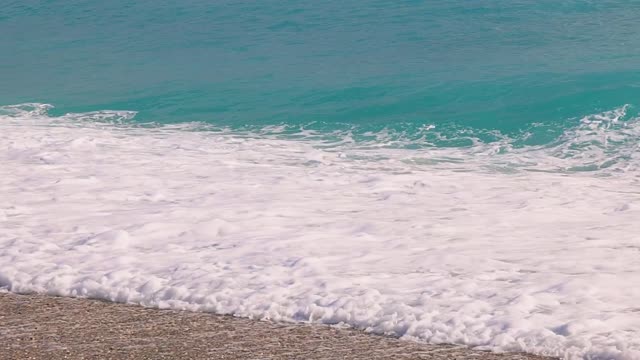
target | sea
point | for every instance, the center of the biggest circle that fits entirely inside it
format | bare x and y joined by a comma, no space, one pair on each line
461,172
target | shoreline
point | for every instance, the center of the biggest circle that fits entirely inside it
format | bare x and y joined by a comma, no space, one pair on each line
36,326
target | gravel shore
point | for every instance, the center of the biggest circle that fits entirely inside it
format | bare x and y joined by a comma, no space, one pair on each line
46,327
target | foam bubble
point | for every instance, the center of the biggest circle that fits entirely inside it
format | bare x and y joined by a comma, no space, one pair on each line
507,250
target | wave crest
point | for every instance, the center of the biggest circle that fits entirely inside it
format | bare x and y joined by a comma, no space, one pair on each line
598,142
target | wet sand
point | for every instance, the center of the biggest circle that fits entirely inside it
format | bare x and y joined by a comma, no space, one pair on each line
46,327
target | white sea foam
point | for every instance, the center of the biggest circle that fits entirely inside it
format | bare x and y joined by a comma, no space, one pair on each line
440,245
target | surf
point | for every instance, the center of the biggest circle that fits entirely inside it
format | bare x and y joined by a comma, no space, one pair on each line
496,246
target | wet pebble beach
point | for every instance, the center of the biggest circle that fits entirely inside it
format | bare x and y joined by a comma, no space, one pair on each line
45,327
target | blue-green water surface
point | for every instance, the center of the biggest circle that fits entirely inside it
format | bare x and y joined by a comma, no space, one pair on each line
485,64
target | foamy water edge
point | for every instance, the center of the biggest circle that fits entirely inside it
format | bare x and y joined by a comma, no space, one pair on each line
520,252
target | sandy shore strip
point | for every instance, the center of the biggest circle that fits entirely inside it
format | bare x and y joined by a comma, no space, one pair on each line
46,327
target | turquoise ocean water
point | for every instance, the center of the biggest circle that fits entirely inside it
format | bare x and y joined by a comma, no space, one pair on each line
482,67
